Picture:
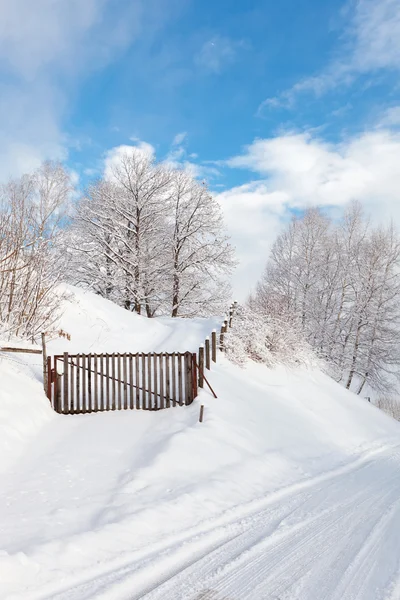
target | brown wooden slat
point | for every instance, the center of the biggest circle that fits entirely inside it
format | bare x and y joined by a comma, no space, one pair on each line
185,377
150,402
119,378
65,384
180,380
77,382
201,366
214,345
125,369
107,394
137,382
156,399
131,384
190,377
101,382
89,382
207,353
143,382
173,368
161,363
95,382
113,382
167,382
72,370
194,376
84,393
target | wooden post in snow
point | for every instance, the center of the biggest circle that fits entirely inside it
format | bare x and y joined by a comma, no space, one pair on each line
46,374
207,353
201,366
214,345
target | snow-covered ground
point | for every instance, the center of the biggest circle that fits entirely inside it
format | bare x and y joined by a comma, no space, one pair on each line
288,490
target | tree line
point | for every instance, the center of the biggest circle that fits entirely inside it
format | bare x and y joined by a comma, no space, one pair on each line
337,281
146,236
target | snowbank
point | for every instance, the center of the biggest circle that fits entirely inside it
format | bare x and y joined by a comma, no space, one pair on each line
24,409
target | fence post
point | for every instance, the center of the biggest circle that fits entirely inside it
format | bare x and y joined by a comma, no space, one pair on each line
230,316
224,329
207,353
49,382
46,373
201,366
201,413
214,345
65,383
194,375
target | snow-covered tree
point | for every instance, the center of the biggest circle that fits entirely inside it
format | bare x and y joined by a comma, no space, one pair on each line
151,239
32,209
267,340
201,254
340,283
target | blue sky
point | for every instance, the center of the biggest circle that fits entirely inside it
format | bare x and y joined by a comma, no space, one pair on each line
277,104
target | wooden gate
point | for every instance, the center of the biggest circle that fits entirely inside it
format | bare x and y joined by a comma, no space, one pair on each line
85,383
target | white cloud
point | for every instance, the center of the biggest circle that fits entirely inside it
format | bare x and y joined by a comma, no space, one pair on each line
299,170
310,170
253,214
391,117
217,53
179,138
46,47
371,42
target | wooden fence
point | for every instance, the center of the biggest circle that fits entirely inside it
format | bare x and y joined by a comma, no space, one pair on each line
207,353
85,383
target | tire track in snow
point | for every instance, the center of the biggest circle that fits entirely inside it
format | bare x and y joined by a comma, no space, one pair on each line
264,537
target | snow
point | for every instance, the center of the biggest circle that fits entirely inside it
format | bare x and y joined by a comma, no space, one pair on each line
289,489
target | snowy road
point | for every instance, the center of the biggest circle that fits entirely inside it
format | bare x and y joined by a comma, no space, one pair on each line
336,537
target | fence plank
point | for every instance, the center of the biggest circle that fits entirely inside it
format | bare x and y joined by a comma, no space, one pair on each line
131,388
113,382
207,353
107,383
101,382
185,376
180,380
201,366
194,376
173,367
77,378
65,384
137,383
167,382
119,378
162,399
156,399
55,391
143,382
150,401
95,381
84,396
125,382
214,345
72,369
90,382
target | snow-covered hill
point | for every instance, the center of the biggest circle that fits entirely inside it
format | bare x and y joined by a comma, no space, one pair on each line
289,489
